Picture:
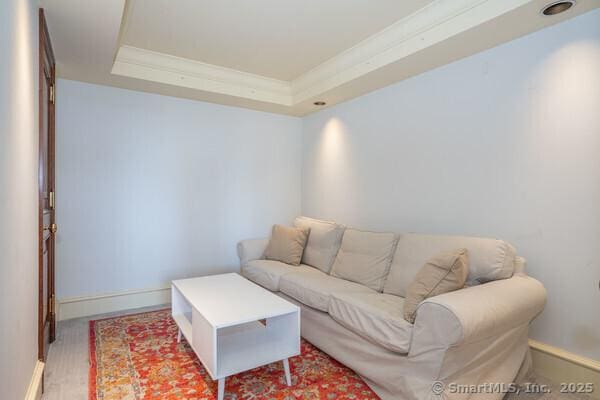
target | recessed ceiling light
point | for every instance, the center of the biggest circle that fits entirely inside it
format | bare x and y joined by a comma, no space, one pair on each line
557,7
319,103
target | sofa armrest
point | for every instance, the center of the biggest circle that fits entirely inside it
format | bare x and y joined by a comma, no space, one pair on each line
478,312
251,249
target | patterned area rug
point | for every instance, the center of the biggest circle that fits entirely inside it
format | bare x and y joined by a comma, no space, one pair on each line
137,357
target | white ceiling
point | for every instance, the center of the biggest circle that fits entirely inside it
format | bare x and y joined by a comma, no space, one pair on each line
275,55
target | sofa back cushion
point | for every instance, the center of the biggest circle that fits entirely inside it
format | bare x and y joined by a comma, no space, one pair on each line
324,241
489,259
365,257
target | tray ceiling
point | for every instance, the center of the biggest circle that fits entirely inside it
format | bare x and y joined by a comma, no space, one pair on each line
274,55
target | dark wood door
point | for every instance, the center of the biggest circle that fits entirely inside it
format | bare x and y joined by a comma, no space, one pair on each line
47,193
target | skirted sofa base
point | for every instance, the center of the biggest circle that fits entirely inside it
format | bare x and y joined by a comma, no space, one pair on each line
394,376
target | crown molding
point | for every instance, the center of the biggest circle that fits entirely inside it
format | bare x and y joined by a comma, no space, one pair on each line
426,27
164,68
431,25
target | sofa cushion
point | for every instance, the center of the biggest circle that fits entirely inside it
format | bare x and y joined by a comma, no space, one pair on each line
443,273
323,242
267,273
375,316
315,289
489,259
365,257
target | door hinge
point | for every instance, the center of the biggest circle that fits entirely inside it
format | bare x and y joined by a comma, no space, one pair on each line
52,94
53,304
52,200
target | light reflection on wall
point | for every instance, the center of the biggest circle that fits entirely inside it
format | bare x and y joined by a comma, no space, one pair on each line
337,178
333,145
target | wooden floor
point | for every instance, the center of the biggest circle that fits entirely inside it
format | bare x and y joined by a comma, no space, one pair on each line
66,372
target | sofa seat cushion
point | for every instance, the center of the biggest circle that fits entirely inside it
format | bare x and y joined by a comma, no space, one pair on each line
375,316
315,289
267,273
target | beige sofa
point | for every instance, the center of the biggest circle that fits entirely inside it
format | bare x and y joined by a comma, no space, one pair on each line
351,287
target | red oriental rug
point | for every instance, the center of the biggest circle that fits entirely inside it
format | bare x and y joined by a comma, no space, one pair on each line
137,357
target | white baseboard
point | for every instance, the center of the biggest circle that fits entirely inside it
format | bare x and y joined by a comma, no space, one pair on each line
86,306
34,391
562,366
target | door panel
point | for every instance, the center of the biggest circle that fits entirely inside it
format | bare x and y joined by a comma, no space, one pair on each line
47,223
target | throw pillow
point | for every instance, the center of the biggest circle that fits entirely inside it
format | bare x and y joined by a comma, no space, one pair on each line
323,242
443,273
286,244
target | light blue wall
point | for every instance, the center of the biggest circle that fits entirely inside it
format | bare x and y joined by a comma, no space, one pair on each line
153,188
18,195
505,143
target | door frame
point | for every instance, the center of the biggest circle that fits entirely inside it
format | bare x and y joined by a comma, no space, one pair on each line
45,52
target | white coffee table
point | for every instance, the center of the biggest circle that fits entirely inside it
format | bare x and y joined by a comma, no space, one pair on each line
234,325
